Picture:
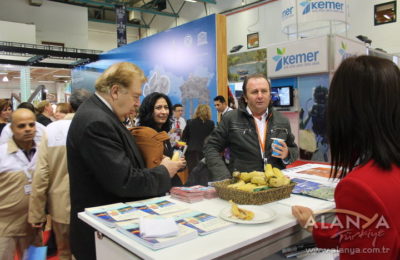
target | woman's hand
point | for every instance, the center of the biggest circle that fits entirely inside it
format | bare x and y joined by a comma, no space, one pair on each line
304,216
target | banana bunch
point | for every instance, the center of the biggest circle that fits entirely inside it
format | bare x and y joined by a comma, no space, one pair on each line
275,177
241,213
248,181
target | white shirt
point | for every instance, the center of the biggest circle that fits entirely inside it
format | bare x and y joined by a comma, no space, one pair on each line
226,110
103,100
261,125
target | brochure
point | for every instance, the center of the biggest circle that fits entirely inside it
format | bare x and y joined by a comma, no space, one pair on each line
313,189
110,214
203,223
157,207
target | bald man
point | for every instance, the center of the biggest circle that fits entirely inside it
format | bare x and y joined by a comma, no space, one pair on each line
17,163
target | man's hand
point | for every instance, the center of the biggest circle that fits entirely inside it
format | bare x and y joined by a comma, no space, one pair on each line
282,150
303,216
173,166
38,225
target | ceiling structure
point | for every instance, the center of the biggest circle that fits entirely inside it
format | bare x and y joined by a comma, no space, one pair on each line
53,63
103,11
41,75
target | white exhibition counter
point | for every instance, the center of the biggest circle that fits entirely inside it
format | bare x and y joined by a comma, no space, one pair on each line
240,241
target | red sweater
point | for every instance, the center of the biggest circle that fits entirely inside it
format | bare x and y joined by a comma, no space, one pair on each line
368,191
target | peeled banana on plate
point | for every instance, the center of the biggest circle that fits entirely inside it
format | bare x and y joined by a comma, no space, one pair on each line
239,213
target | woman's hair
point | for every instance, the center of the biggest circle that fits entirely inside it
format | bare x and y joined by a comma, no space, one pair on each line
64,108
41,106
242,102
4,104
203,112
146,112
363,115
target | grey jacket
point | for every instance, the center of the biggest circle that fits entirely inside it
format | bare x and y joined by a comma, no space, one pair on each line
237,131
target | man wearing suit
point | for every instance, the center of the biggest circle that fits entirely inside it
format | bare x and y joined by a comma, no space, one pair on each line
104,163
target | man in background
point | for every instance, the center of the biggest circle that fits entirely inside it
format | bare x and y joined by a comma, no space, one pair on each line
40,129
17,163
104,163
221,105
50,185
178,124
45,112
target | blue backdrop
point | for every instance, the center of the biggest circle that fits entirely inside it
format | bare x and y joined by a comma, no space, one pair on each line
180,62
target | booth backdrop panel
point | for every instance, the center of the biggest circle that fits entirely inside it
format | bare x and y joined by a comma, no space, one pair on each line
313,95
344,48
180,62
306,56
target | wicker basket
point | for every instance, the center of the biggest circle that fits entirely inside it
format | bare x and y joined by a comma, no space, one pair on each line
253,198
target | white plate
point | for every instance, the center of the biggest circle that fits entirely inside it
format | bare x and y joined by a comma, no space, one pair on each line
261,215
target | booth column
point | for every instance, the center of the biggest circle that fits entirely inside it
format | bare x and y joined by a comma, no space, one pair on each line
25,83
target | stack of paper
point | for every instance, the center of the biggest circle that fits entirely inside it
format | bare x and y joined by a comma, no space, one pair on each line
158,227
193,193
132,230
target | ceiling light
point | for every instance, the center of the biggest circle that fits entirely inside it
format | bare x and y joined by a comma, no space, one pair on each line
61,76
386,16
46,81
5,79
192,1
3,73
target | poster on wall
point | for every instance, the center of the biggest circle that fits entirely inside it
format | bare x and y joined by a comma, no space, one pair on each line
180,62
299,57
246,63
313,97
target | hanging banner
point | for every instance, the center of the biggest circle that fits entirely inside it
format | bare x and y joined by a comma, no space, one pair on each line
121,17
298,57
344,48
306,16
319,10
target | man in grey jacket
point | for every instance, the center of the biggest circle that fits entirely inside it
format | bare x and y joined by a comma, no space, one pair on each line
248,132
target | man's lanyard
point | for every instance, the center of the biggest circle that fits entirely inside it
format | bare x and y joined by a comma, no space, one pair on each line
260,140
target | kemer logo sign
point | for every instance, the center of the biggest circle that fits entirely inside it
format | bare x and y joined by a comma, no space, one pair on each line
321,6
294,60
288,12
343,51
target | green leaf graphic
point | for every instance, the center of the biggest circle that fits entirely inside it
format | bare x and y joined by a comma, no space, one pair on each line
278,51
283,51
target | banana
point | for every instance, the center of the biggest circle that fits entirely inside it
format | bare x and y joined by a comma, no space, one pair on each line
247,187
259,180
277,172
241,213
268,171
175,156
237,184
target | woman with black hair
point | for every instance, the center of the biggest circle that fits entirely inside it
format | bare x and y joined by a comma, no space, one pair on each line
364,136
5,113
151,134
